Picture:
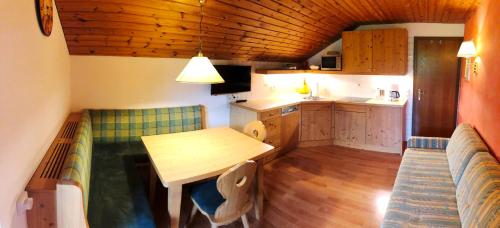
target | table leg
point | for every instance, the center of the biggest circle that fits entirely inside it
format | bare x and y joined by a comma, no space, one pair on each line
259,193
152,183
174,204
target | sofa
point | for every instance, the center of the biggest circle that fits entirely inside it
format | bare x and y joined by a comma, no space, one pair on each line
100,184
445,182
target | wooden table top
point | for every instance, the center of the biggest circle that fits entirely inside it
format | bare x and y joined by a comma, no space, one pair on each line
195,155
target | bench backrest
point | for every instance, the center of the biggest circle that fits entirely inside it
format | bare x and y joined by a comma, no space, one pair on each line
128,125
76,168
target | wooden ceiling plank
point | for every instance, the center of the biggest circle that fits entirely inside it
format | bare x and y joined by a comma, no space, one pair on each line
106,8
137,33
290,22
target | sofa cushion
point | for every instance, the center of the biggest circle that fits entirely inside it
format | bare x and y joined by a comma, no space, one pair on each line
463,144
128,125
76,168
478,193
424,192
427,142
117,193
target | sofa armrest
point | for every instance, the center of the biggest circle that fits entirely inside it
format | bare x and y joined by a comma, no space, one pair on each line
428,142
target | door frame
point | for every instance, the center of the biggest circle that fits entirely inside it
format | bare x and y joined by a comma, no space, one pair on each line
459,73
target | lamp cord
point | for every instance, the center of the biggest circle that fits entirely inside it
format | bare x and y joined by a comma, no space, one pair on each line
201,21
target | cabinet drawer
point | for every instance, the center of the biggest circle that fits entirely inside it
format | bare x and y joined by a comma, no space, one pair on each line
351,108
316,107
273,126
270,114
274,140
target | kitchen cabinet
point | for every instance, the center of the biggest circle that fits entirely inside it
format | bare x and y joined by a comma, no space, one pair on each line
282,131
350,125
377,128
379,51
357,51
316,124
384,127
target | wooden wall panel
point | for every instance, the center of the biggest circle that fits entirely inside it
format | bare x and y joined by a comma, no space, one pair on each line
271,30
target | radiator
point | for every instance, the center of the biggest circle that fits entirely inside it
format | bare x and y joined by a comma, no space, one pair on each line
42,186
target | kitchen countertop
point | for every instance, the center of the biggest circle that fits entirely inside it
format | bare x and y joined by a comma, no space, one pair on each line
261,105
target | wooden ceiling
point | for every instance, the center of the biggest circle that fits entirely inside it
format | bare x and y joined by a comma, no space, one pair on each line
270,30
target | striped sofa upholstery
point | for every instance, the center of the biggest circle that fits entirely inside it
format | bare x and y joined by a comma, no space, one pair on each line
478,193
441,186
76,168
464,143
424,192
427,142
128,125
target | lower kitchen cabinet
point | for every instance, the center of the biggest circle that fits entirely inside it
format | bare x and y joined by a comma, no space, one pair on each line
384,127
350,128
316,124
377,128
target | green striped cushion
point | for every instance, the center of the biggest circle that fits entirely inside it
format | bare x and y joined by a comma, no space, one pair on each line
478,193
427,142
424,192
128,125
463,144
76,168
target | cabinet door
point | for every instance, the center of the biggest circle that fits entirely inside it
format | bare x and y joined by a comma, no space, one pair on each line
350,128
384,127
390,51
357,51
316,122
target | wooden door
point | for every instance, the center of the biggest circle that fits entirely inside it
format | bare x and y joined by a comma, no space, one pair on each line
290,131
390,51
435,85
316,122
357,51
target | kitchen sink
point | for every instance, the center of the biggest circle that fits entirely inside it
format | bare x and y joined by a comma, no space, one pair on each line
355,99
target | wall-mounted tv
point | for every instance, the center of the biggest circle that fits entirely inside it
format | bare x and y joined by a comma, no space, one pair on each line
236,79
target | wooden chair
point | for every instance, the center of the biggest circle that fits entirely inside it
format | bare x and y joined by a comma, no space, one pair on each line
256,130
228,198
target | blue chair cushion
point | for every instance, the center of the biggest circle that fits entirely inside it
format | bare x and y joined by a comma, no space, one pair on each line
207,197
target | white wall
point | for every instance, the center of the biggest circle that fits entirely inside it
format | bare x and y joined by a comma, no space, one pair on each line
34,99
131,82
365,85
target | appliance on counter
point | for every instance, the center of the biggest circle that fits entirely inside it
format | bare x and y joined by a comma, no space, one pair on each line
394,95
331,61
236,79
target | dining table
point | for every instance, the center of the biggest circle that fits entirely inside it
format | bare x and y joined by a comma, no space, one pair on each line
179,159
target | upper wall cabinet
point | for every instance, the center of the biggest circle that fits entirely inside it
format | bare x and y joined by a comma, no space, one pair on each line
381,51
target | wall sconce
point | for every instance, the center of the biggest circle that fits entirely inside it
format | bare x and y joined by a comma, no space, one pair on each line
468,51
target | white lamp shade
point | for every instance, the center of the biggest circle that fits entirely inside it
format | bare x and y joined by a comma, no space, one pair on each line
467,49
201,71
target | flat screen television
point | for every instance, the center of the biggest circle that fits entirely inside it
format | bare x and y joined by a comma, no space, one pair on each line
236,79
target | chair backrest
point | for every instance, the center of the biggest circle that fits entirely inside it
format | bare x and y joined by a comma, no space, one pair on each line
235,185
256,130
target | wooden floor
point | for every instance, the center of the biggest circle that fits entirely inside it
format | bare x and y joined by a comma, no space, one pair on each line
319,187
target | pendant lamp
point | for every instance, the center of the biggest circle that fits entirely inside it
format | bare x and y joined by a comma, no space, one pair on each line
199,69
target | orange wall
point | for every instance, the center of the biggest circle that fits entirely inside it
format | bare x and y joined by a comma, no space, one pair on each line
479,99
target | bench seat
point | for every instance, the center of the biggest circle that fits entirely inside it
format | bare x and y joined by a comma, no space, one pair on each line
117,194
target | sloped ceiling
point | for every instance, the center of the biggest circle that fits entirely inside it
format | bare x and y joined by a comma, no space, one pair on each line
270,30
